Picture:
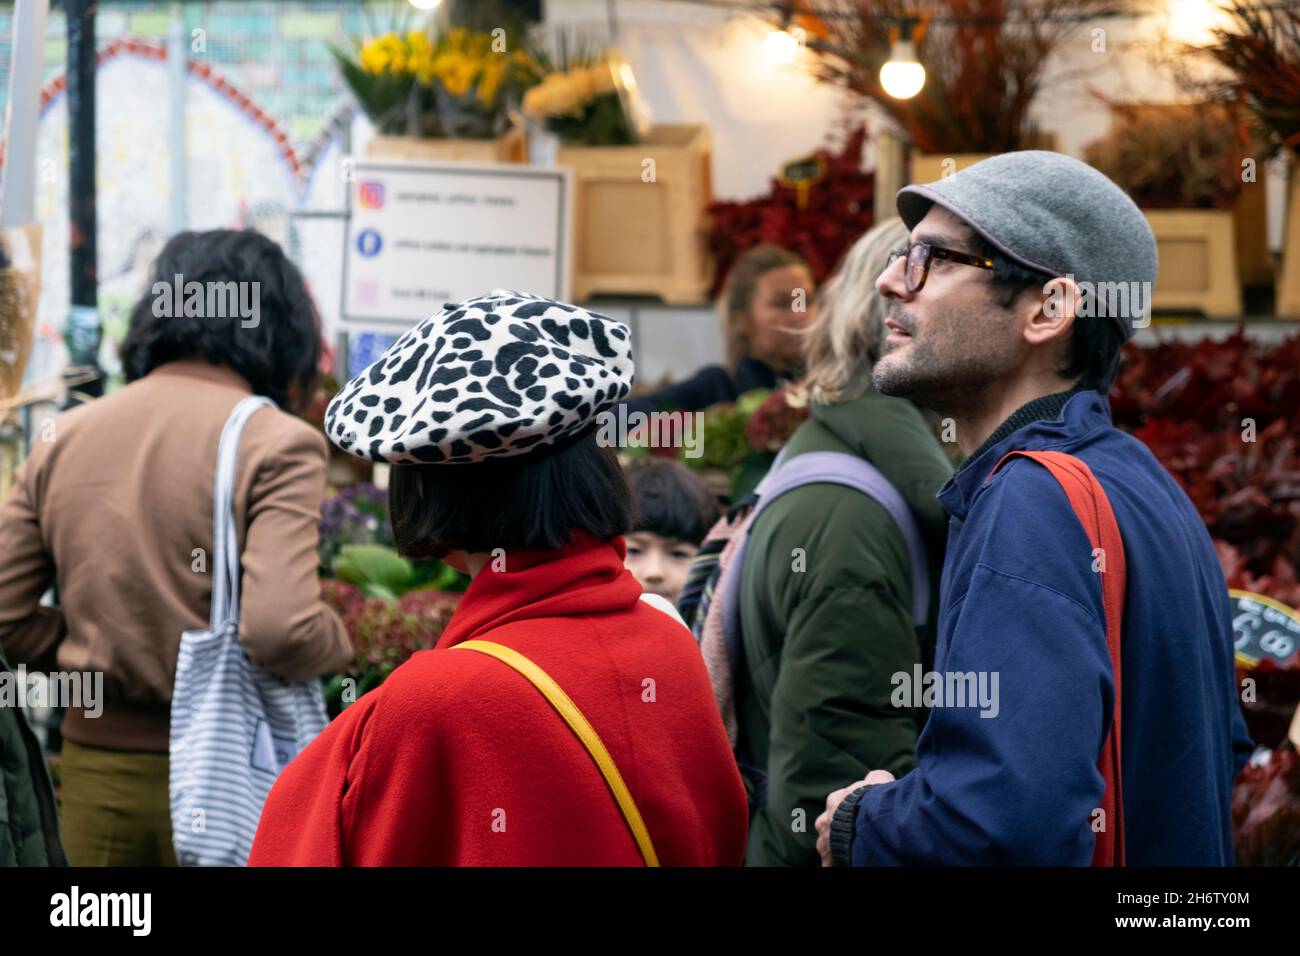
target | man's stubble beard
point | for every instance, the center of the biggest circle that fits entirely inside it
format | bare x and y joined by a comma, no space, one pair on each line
953,382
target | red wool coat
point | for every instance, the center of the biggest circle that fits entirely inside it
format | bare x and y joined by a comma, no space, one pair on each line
457,760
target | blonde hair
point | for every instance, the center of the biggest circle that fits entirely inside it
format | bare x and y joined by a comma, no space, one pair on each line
846,330
738,293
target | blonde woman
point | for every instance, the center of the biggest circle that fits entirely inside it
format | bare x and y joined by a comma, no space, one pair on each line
768,300
825,631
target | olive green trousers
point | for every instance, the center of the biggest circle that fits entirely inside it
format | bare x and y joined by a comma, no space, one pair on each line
114,808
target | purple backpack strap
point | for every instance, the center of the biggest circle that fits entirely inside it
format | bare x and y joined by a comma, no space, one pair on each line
837,468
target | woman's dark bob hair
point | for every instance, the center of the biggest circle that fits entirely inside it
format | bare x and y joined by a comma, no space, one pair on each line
276,349
536,502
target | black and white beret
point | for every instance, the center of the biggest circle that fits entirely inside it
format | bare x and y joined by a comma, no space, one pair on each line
491,377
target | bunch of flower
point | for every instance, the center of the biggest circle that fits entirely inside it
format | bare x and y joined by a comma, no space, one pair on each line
358,514
586,96
380,74
1221,417
463,61
1174,157
415,84
740,440
773,422
395,56
835,212
1266,811
569,92
384,634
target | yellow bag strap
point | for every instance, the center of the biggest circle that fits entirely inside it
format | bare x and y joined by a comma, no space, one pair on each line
579,724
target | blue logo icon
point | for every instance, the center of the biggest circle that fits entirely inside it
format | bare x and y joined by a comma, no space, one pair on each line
369,242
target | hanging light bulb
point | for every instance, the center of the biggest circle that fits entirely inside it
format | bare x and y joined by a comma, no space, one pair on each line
781,46
424,4
903,76
783,43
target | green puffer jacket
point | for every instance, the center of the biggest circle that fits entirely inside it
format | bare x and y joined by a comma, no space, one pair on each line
822,643
29,822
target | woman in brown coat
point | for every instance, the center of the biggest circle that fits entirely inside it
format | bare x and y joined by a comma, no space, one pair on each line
114,508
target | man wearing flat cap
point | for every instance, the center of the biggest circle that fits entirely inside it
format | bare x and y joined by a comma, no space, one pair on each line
1024,276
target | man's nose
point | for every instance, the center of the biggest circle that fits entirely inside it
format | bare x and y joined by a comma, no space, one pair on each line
891,283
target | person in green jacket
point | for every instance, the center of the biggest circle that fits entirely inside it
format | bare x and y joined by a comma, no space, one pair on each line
826,587
29,822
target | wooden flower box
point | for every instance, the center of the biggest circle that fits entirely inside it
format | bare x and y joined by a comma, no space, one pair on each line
1198,262
639,213
1288,277
511,147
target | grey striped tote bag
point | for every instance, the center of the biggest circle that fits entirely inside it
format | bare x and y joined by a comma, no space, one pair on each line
233,726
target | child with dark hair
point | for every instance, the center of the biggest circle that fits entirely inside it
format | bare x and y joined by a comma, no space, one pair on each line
674,511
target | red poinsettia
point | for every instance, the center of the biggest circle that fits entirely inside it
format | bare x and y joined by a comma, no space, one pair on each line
773,422
1224,419
1266,811
838,210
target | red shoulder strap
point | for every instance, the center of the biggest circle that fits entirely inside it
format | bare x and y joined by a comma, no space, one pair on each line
1090,504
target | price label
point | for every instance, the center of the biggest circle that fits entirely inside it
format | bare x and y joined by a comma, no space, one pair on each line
1264,629
801,175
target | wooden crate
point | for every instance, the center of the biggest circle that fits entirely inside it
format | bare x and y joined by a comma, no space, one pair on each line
512,147
1250,222
1198,261
1288,277
639,237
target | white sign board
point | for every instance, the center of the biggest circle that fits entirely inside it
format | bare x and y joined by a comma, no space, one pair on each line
421,234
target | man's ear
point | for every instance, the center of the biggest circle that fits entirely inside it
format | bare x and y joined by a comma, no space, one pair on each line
1051,315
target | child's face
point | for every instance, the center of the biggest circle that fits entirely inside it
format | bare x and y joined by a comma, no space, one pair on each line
660,564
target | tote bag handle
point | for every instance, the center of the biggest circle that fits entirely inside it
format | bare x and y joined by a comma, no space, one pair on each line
225,542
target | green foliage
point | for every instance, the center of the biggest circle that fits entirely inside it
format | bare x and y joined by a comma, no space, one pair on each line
383,97
378,571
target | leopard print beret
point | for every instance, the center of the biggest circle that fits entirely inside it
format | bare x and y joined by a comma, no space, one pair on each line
491,377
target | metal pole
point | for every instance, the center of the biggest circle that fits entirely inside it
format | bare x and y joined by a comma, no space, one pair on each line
24,106
83,330
178,61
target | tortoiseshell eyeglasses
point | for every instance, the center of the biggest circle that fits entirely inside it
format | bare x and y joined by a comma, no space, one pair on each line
919,256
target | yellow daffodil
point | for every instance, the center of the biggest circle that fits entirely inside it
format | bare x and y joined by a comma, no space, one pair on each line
374,57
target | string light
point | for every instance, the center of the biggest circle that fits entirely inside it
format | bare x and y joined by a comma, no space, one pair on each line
783,43
781,46
903,75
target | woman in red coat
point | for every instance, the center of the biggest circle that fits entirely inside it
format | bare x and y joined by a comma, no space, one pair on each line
561,720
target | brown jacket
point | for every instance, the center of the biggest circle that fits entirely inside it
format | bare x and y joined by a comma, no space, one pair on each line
111,505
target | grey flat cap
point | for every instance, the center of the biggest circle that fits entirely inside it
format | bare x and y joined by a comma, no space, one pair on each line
1052,213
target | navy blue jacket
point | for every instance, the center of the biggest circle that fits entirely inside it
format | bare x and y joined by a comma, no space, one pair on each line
1019,597
711,385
